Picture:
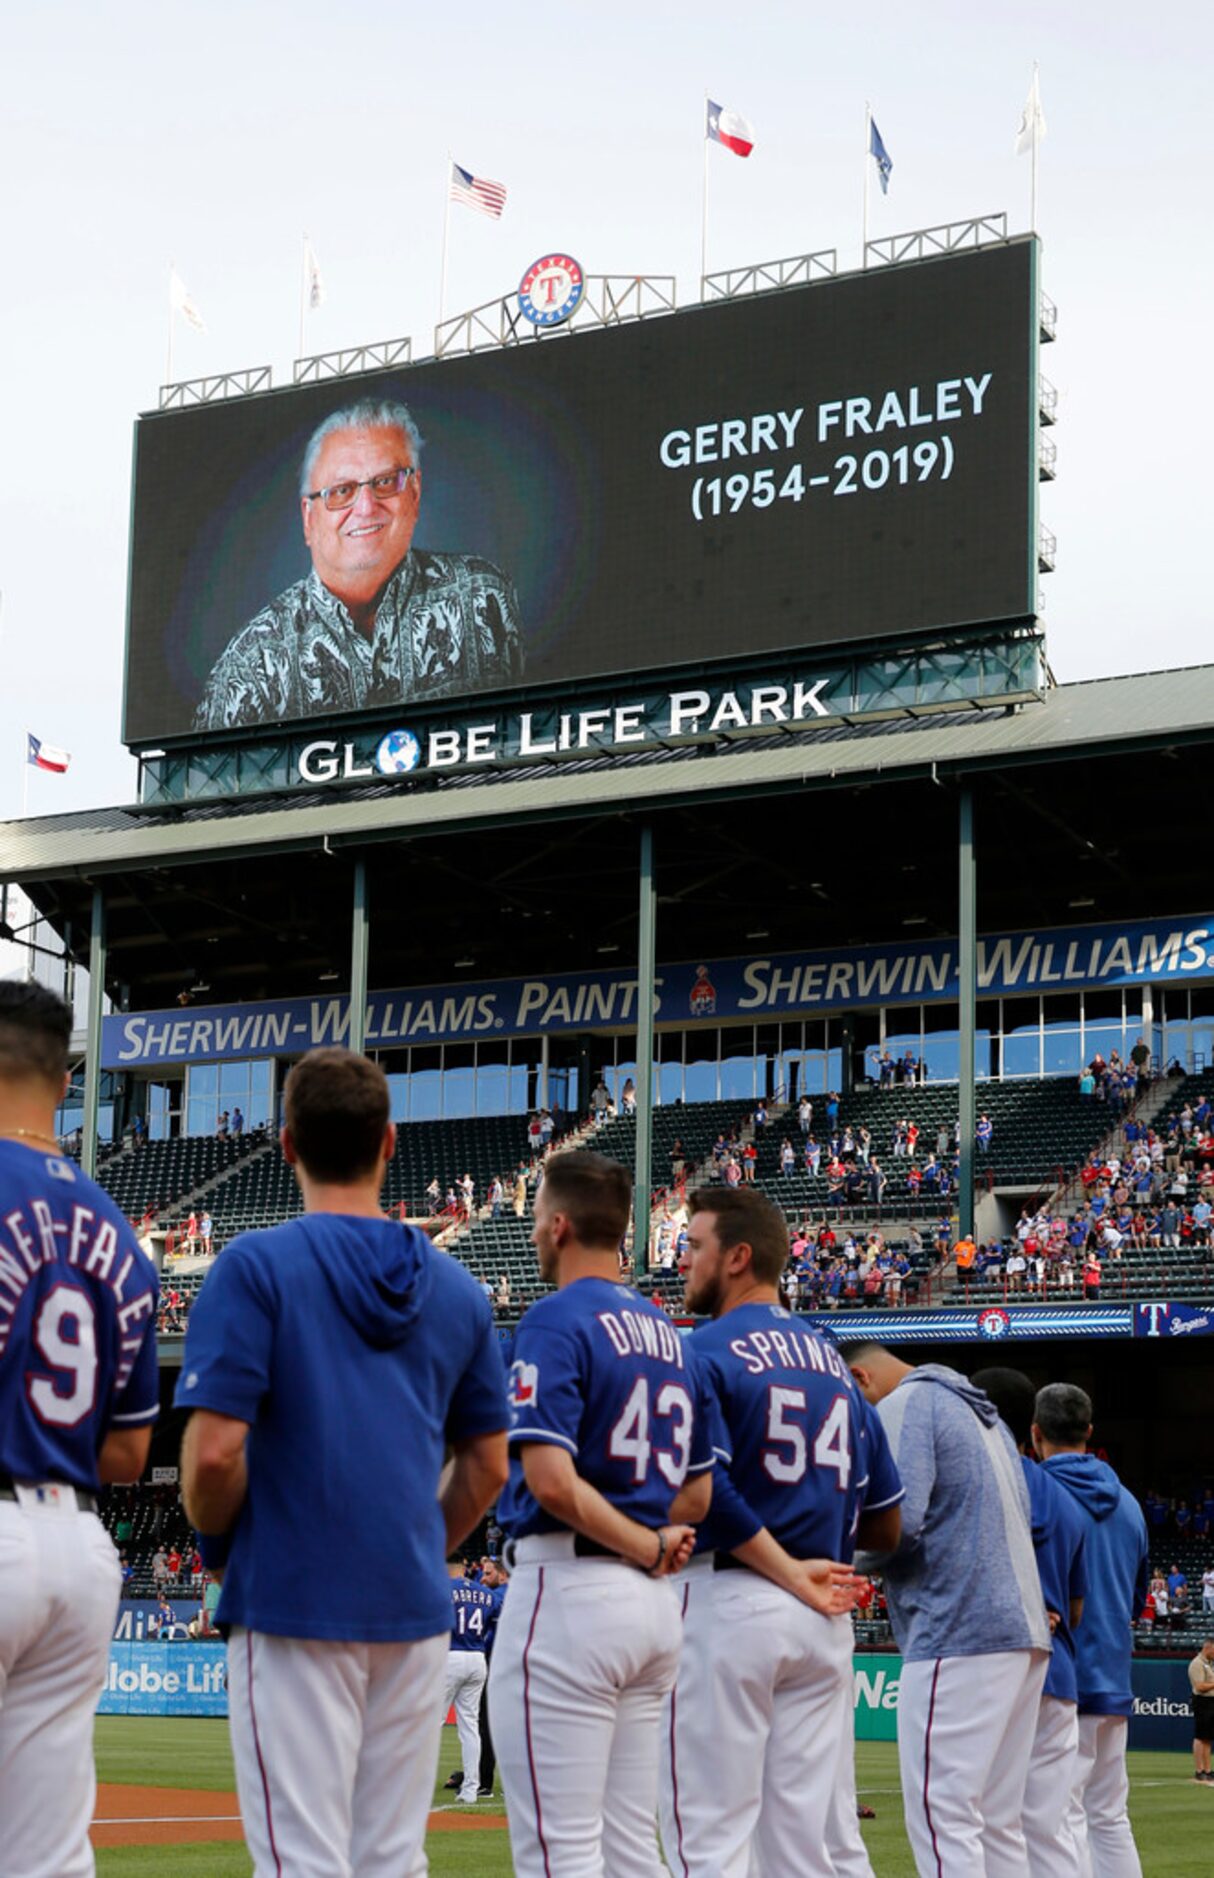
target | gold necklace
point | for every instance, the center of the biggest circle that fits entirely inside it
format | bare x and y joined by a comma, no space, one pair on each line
31,1134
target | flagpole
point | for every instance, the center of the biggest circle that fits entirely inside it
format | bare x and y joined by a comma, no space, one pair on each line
868,138
25,779
442,285
1036,140
168,364
704,203
303,292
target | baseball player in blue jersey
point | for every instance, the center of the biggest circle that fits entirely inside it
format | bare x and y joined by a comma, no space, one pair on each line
473,1613
79,1391
764,1693
1058,1541
607,1461
327,1362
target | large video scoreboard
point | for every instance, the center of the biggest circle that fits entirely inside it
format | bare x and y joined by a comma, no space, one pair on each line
851,460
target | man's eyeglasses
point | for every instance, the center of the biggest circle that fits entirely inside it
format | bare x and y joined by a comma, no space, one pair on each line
344,495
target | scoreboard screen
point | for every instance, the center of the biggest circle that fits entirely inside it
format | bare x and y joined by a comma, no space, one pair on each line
850,460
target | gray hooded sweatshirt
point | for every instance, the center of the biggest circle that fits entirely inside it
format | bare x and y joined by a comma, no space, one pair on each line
963,1581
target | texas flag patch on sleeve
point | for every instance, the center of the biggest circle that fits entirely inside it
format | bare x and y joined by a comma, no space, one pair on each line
523,1386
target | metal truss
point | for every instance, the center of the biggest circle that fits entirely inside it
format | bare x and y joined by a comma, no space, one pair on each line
609,300
1047,460
1047,401
1047,549
946,239
369,358
764,276
1047,319
212,390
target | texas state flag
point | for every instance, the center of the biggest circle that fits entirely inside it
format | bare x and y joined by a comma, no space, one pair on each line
728,128
45,755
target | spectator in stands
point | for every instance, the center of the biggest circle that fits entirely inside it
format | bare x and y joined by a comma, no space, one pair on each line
160,1569
1182,1519
206,1229
750,1159
813,1156
191,1234
501,1301
173,1564
788,1159
600,1102
547,1127
912,1138
628,1097
876,1182
1207,1588
805,1115
237,1122
732,1171
520,1193
434,1194
760,1114
139,1132
494,1197
678,1162
467,1195
983,1134
222,1125
1091,1278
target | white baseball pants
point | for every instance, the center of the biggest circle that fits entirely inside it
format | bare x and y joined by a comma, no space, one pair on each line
1098,1815
466,1673
844,1840
336,1750
752,1736
585,1655
59,1588
1047,1792
965,1734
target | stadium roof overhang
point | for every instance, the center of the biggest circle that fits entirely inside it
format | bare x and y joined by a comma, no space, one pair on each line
790,838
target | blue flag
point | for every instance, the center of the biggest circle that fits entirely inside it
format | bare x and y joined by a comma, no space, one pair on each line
880,155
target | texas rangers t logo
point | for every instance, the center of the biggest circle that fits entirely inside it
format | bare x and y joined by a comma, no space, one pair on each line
551,289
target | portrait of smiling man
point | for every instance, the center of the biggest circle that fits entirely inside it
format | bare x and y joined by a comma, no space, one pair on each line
377,621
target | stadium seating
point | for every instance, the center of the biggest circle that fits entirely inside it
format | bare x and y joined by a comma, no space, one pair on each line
164,1172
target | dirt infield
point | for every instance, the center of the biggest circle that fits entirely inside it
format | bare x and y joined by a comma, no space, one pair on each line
188,1816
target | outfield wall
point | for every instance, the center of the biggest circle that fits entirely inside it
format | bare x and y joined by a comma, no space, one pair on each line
191,1679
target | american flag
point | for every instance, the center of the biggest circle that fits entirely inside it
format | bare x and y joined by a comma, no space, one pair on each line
477,191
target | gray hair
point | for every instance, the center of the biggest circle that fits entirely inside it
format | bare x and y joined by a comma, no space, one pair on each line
365,414
1063,1413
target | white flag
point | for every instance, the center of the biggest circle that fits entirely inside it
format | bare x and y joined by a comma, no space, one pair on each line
180,301
1031,129
312,276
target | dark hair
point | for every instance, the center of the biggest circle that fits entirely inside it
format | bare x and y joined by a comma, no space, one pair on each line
1064,1414
336,1109
1013,1395
745,1217
35,1033
593,1193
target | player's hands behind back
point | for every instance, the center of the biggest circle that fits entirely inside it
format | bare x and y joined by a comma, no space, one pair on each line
680,1544
826,1586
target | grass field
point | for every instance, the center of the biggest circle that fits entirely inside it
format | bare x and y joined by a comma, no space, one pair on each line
1173,1817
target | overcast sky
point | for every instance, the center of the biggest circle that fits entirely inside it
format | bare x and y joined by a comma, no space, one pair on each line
132,132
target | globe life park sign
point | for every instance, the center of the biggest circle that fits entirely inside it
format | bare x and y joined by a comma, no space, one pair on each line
532,736
526,731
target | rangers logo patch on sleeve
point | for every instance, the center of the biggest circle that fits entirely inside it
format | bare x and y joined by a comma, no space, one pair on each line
523,1387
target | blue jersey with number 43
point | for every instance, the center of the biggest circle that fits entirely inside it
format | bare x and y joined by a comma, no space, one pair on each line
77,1320
804,1452
602,1373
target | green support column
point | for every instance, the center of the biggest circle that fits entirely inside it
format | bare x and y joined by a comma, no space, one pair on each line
967,973
92,1058
360,942
646,968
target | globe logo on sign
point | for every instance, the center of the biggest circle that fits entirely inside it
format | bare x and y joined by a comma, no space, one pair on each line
398,753
551,289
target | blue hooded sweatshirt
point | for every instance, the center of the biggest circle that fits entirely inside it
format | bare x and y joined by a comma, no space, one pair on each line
354,1350
963,1581
1115,1560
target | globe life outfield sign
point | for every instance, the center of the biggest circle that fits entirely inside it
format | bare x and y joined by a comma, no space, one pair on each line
724,991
